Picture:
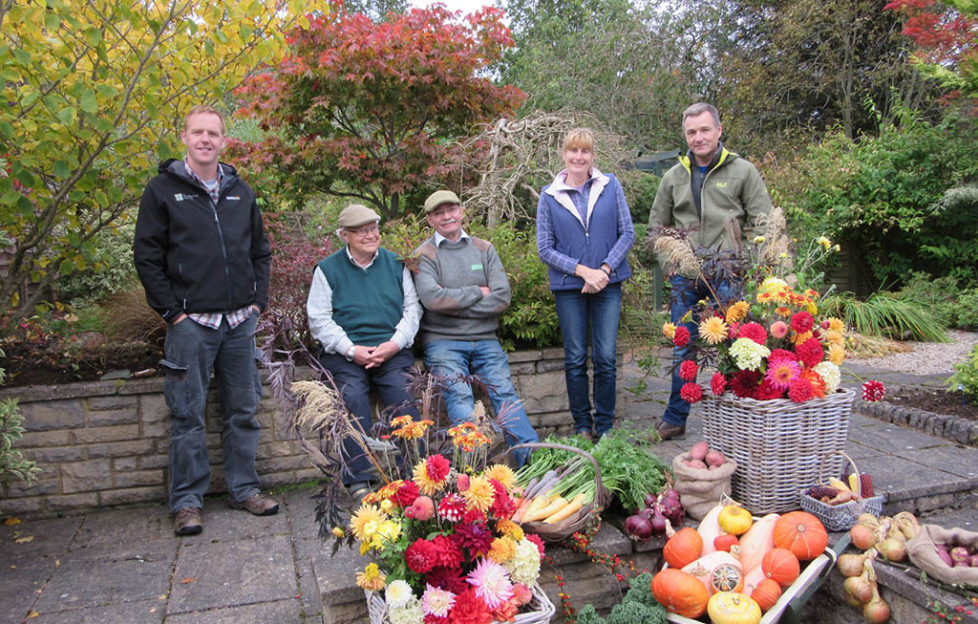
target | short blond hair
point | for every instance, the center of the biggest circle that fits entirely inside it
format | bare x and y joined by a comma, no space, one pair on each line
200,109
581,138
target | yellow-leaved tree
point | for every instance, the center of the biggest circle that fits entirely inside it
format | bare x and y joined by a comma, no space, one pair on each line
94,92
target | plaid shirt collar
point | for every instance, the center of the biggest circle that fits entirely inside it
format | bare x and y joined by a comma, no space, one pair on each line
216,192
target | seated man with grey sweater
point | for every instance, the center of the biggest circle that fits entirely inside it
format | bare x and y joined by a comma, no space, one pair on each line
463,289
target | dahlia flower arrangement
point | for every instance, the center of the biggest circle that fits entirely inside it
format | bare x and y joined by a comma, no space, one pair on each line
443,546
771,346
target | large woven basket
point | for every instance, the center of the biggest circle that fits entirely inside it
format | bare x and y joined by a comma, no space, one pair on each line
584,516
778,444
539,610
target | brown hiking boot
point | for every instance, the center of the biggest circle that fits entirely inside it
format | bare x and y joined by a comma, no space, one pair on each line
667,431
257,505
187,521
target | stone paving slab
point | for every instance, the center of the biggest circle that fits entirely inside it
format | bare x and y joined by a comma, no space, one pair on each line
221,573
19,584
79,584
278,612
143,612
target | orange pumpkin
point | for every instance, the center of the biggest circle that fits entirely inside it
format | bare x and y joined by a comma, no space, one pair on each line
680,592
781,565
683,548
801,533
766,594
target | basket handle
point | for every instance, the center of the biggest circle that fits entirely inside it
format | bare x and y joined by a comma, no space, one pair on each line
566,447
855,470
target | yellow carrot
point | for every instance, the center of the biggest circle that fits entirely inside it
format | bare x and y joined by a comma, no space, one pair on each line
535,516
565,512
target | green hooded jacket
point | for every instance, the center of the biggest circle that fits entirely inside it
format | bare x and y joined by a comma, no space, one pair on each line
732,190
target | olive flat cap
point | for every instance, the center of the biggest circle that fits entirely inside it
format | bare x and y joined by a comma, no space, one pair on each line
438,198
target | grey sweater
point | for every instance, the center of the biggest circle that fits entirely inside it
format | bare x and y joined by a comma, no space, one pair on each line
448,281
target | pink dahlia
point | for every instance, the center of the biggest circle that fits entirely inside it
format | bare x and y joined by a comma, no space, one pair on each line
469,609
779,329
423,508
491,583
780,372
437,601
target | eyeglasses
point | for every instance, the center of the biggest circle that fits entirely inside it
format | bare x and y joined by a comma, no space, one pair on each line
366,230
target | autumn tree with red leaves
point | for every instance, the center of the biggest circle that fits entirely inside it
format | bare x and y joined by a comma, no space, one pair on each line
947,37
374,111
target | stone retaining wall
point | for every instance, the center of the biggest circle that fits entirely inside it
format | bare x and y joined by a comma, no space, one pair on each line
105,443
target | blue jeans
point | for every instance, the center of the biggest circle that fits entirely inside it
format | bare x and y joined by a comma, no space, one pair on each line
455,359
685,293
190,352
354,383
598,312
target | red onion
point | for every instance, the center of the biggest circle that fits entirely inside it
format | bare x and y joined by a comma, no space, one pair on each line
944,555
974,560
671,509
650,499
638,527
658,522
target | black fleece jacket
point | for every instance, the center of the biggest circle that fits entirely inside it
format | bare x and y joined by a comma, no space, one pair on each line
193,256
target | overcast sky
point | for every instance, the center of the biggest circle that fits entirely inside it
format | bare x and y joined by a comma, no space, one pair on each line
465,6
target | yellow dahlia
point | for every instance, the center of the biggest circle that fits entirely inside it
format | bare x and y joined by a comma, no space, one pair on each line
669,330
502,549
371,579
836,325
714,330
364,516
479,495
836,354
835,338
802,337
773,285
738,311
502,473
510,529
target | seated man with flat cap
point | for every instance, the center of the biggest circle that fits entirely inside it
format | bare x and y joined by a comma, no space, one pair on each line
364,311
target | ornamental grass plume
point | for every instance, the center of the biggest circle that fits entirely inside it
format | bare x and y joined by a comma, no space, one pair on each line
675,253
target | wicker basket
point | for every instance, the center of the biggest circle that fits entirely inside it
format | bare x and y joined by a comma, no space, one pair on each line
584,516
778,444
540,609
841,517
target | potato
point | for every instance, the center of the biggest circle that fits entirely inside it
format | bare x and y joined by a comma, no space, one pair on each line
699,450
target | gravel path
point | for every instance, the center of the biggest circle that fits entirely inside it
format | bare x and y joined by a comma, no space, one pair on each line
928,358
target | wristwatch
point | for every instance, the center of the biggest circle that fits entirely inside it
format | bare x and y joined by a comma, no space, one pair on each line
352,351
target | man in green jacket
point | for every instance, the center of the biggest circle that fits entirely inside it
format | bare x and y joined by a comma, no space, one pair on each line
709,188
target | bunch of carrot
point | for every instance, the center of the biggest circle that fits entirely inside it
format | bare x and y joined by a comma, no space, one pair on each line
554,490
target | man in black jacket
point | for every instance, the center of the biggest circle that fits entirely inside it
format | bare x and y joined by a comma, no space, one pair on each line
203,258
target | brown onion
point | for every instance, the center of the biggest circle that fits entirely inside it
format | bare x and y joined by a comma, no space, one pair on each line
859,588
894,549
850,565
862,536
876,611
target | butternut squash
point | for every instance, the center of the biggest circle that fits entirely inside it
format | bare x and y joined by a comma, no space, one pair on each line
755,543
709,529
